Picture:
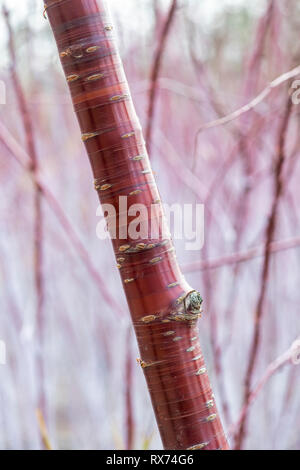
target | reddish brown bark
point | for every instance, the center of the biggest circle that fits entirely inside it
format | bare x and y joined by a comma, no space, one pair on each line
164,308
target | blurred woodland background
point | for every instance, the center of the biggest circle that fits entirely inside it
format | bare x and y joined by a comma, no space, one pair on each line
70,350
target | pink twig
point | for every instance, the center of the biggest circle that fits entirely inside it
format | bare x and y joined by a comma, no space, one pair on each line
38,214
256,101
292,356
270,231
242,257
254,63
156,70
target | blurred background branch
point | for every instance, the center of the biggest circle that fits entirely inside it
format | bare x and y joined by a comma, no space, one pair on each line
189,65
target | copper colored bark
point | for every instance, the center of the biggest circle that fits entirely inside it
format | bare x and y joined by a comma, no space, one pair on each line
163,310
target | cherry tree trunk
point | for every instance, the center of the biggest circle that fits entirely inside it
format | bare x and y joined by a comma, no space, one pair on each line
164,308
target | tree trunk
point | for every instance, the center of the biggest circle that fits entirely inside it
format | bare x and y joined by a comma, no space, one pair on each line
164,308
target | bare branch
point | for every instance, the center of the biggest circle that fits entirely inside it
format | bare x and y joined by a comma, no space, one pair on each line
23,159
156,70
291,356
270,231
256,101
242,257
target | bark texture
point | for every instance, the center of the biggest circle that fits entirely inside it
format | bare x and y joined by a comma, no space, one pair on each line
164,308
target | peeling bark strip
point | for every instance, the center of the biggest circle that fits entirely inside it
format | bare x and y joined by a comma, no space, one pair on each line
163,306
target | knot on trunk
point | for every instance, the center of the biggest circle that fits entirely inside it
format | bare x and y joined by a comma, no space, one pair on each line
193,303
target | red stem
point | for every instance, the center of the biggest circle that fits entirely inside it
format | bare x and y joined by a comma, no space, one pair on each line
38,214
242,257
270,231
273,368
156,70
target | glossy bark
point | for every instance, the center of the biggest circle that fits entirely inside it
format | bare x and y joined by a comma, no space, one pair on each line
158,296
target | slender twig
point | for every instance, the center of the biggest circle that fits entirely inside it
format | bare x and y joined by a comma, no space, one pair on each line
43,430
242,257
252,104
156,70
38,214
291,356
172,86
254,62
242,149
270,231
